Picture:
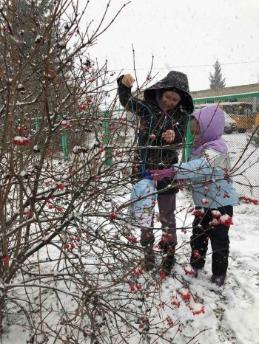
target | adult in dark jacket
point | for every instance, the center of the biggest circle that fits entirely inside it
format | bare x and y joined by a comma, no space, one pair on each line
163,116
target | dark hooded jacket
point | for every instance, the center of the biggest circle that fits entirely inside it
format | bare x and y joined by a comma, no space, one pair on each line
154,121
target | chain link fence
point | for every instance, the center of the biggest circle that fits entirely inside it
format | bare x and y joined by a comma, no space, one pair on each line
115,129
242,137
241,134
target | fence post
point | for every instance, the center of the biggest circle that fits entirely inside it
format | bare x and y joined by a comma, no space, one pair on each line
64,144
188,142
107,138
37,123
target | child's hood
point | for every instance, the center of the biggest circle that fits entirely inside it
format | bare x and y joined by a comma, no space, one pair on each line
176,81
211,121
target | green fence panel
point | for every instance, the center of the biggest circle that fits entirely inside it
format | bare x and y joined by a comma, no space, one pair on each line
64,144
188,142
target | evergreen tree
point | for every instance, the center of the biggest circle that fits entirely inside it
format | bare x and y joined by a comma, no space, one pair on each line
216,79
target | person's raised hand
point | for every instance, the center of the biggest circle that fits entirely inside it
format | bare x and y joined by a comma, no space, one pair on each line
128,80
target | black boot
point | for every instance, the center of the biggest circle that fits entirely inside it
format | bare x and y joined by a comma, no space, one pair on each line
167,263
219,280
149,258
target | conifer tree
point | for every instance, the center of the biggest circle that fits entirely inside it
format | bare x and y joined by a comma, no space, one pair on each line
216,79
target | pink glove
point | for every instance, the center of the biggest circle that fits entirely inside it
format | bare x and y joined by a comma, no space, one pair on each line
161,174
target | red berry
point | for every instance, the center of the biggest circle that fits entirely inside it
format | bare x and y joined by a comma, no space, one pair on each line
5,260
113,216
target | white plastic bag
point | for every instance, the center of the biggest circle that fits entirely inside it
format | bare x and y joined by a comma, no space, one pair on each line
144,192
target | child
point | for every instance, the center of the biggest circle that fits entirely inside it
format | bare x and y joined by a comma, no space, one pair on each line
163,117
212,189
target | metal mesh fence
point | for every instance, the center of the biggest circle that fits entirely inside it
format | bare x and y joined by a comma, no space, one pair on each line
241,134
242,137
117,129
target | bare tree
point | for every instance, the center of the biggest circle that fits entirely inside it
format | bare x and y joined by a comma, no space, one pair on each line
69,264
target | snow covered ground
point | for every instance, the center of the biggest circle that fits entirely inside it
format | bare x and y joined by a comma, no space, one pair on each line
208,314
231,312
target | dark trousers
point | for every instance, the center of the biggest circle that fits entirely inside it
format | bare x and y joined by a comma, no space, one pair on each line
166,205
218,235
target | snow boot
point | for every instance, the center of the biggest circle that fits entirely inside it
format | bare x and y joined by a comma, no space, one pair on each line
219,280
149,258
167,263
195,272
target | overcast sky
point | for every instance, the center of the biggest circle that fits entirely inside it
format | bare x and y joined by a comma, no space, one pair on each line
184,35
